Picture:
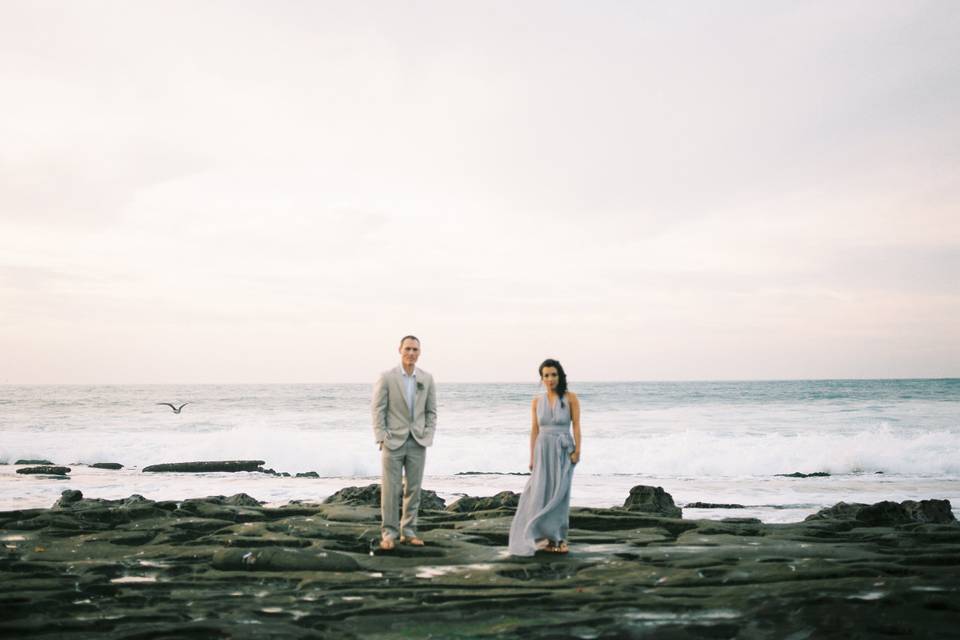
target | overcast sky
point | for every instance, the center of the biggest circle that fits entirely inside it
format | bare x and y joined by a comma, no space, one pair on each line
277,191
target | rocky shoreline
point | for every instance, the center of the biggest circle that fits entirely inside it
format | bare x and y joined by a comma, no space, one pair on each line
228,567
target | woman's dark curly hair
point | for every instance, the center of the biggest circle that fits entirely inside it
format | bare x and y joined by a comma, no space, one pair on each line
561,375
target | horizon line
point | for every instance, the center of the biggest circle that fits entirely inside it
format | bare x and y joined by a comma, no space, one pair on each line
613,381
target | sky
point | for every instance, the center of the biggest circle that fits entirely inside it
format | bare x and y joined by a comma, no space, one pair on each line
234,192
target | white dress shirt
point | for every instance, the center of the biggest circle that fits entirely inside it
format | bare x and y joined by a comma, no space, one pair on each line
409,387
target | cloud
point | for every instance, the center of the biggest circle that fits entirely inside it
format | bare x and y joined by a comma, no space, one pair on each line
639,179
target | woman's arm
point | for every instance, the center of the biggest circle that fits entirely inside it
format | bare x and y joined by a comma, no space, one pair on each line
575,416
534,430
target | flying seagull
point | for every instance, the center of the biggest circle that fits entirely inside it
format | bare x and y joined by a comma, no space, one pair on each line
175,409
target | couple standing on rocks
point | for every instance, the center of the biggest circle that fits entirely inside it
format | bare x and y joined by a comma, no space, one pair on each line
404,412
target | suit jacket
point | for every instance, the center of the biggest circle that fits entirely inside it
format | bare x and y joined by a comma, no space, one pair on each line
391,416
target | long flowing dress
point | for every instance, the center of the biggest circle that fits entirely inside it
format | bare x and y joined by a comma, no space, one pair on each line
544,508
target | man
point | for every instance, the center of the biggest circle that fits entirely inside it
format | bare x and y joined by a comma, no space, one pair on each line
404,411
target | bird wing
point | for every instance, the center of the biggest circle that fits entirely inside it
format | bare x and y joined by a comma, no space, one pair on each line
168,405
182,406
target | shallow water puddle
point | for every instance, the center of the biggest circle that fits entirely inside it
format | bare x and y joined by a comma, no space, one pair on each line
601,549
442,570
134,579
685,616
152,563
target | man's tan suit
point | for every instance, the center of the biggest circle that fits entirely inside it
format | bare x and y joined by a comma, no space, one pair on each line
403,438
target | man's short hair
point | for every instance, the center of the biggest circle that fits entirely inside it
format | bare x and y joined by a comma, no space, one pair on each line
409,338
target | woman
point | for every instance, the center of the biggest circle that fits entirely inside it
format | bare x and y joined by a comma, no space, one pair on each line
543,515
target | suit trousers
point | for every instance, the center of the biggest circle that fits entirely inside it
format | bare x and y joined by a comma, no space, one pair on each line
407,460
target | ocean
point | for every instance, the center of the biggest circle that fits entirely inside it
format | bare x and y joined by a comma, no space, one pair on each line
713,442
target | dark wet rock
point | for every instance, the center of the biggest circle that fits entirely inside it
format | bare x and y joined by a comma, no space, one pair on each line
405,550
98,512
728,528
282,560
493,473
242,500
797,474
269,472
212,466
45,470
619,520
889,513
68,497
430,501
308,474
839,511
218,508
47,462
711,505
503,500
135,568
369,496
113,466
265,541
652,500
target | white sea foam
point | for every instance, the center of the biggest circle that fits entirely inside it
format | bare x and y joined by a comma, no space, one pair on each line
353,453
715,442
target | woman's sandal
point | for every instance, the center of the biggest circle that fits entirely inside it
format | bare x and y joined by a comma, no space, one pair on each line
558,548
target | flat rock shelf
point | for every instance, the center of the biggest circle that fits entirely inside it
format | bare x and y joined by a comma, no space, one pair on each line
227,567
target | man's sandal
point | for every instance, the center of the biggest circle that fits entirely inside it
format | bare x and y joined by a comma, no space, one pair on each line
413,541
387,544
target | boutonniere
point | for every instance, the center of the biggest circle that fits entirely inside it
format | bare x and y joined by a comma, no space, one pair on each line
419,386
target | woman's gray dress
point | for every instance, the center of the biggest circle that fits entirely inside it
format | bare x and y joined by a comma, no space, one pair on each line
544,509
